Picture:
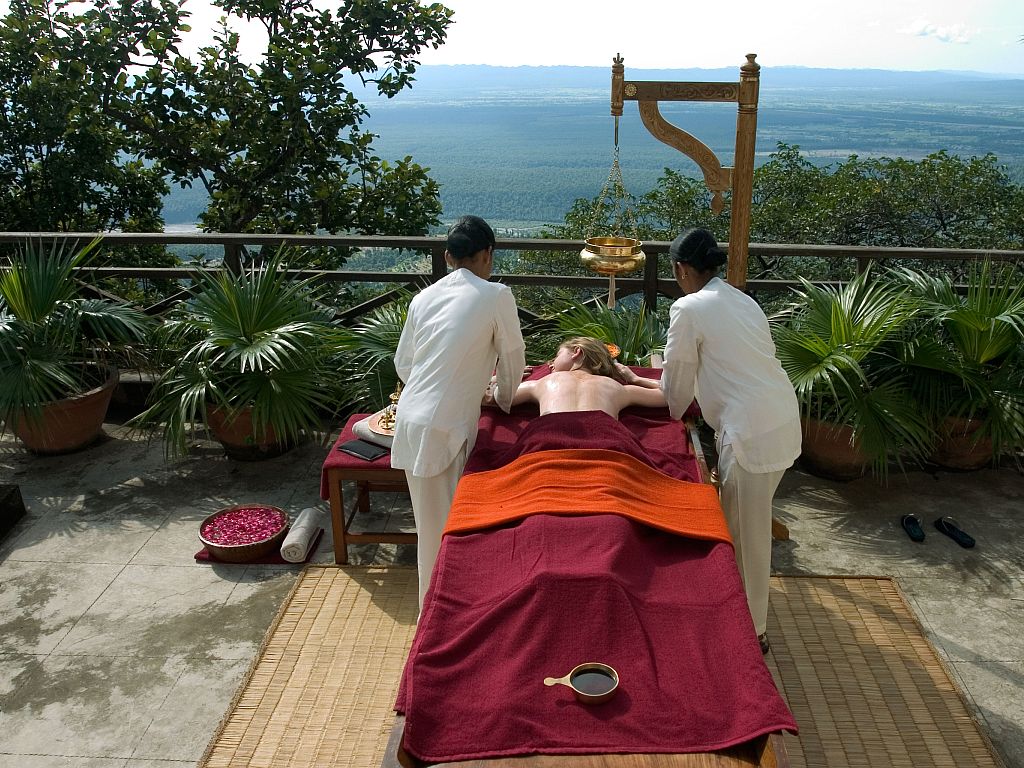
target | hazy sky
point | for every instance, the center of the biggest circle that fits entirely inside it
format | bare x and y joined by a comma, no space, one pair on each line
980,35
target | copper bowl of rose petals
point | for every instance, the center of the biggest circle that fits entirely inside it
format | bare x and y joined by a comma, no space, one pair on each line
244,533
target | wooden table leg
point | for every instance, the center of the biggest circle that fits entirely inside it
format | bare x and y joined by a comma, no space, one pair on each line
337,518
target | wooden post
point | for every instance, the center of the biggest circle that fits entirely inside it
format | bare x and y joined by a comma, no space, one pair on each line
618,85
651,283
738,179
438,266
743,172
232,258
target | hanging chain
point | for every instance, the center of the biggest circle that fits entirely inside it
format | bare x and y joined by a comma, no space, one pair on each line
615,200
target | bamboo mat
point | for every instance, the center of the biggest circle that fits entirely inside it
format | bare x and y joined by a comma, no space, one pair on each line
851,660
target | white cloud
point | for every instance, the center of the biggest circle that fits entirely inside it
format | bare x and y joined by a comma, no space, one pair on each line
954,33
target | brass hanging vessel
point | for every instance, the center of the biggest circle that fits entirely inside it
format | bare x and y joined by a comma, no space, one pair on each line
613,255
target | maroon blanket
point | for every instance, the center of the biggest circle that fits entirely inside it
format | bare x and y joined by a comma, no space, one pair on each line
510,606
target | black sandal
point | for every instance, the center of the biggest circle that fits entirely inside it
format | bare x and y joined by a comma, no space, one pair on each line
762,640
951,528
913,527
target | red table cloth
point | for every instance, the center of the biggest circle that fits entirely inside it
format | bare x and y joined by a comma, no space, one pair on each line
336,458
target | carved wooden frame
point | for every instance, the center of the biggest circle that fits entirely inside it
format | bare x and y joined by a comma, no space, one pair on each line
740,177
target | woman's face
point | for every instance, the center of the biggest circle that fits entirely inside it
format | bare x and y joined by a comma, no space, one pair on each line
565,358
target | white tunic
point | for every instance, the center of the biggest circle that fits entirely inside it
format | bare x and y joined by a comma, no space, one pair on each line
455,331
720,350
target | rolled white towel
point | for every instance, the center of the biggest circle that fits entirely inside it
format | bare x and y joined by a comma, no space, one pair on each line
295,546
361,429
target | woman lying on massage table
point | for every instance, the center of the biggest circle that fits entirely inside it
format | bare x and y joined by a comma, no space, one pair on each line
585,378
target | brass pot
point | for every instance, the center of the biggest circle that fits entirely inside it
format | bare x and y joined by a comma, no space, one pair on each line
612,255
244,553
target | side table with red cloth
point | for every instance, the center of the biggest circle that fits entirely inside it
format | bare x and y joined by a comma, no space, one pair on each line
369,476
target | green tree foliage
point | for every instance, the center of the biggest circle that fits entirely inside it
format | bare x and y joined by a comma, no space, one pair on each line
940,201
278,145
783,187
65,163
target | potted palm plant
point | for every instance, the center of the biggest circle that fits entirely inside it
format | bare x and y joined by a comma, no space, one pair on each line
843,349
253,358
58,348
969,363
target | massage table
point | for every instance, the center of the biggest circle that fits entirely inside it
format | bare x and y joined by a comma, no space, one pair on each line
575,538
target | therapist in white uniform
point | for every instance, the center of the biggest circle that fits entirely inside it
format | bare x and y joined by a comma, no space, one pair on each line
455,332
720,350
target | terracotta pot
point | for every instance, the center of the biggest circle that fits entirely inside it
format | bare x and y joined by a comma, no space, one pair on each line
829,450
959,446
239,438
67,425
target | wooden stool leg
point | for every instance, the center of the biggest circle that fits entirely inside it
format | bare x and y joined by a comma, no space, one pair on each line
364,496
338,520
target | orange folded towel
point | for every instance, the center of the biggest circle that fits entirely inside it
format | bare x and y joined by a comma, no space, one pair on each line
586,482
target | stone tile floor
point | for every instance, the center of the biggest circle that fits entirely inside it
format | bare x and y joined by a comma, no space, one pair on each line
118,650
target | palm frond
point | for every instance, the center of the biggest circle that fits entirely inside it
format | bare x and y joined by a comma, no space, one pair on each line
40,277
971,369
50,337
253,340
843,349
636,331
369,361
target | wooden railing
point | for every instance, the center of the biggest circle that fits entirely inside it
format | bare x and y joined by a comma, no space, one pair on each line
649,283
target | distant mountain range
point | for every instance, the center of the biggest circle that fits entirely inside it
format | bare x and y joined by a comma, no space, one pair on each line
481,76
518,145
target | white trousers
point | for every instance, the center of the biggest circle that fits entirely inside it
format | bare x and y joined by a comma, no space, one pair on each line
747,501
431,501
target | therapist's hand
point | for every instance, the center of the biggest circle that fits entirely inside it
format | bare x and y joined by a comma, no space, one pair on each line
489,391
626,374
630,377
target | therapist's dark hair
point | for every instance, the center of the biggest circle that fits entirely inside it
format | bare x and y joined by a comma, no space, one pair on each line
699,249
468,236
